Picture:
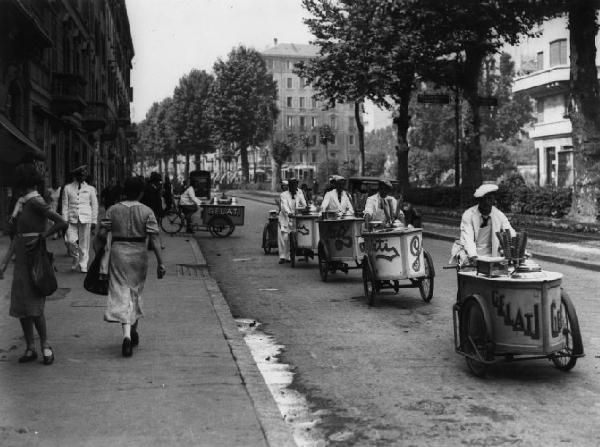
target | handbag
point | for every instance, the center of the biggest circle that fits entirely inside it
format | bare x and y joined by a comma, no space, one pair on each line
41,269
95,281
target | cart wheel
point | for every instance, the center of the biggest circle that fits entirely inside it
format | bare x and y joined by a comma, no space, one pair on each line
293,248
369,282
426,283
171,222
323,264
220,226
566,359
474,336
265,240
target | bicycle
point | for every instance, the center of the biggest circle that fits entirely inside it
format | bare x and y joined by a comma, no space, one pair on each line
219,224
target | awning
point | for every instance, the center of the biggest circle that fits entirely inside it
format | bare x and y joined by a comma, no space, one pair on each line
15,147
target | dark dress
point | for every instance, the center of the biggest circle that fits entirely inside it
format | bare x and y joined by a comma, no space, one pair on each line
152,199
25,300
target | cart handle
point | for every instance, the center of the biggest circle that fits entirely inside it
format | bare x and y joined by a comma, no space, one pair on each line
451,267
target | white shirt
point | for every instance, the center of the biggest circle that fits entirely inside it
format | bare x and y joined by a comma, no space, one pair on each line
375,207
79,203
289,205
189,197
331,202
470,228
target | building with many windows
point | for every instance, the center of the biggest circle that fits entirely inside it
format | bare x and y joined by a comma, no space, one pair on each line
65,88
301,115
543,67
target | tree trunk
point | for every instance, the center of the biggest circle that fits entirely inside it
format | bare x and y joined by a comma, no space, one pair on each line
245,163
361,138
402,122
175,169
471,147
326,162
584,110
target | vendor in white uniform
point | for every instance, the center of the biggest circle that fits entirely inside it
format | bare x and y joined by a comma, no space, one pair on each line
382,206
290,202
479,226
338,199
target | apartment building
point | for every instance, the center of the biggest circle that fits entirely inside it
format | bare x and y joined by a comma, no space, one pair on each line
542,64
65,88
301,115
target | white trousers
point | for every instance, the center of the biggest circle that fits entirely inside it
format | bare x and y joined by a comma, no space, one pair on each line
283,243
79,251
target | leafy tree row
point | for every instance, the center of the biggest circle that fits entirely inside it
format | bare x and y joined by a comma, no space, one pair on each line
231,109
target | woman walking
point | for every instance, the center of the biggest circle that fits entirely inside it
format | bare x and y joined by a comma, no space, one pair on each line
26,303
130,223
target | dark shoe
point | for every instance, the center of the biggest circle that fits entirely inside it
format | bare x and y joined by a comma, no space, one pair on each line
135,337
48,359
282,261
127,350
29,356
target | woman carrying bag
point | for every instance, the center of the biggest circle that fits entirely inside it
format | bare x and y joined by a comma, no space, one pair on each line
130,224
27,302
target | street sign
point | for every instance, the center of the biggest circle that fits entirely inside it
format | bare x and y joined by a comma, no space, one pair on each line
487,101
433,99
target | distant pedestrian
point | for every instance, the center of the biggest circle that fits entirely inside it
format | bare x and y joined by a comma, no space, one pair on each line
153,198
189,204
26,303
290,201
80,211
54,192
130,223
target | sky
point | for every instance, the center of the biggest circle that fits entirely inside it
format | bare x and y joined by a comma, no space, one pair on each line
172,37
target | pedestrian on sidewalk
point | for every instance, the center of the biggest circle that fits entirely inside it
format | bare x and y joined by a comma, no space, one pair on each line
153,199
26,303
80,211
130,223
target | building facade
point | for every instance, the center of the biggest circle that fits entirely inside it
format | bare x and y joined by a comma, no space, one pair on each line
542,64
301,115
65,85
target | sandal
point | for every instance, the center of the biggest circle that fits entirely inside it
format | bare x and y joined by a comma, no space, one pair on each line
29,356
126,350
48,359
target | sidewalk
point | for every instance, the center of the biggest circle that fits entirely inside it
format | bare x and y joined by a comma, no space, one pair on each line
191,381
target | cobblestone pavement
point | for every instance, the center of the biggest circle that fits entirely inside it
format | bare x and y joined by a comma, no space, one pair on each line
388,375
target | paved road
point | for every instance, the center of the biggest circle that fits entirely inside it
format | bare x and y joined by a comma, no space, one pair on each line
388,375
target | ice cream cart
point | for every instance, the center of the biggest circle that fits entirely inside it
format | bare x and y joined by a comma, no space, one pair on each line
304,236
339,244
514,315
394,255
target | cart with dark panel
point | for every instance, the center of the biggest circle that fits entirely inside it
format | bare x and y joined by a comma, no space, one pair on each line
340,245
304,236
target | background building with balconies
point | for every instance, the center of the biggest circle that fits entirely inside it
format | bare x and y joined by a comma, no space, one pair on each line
65,88
301,115
543,69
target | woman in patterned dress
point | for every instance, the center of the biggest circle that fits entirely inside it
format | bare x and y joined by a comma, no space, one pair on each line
130,223
26,303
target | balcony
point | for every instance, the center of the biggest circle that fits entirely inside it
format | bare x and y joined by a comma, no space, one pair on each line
67,93
95,116
123,115
551,130
541,83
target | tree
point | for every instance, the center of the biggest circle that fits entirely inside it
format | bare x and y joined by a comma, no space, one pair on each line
280,152
584,109
242,102
326,136
191,127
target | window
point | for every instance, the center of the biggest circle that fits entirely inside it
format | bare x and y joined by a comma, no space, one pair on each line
313,122
289,101
302,102
313,140
290,65
332,122
333,155
558,52
333,139
289,83
314,103
539,61
270,64
351,140
313,157
539,110
565,167
302,82
302,122
289,121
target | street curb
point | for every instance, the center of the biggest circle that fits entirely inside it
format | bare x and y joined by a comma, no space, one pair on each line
277,433
537,255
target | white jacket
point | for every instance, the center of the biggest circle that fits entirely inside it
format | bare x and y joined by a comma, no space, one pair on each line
331,202
374,207
289,205
79,203
470,224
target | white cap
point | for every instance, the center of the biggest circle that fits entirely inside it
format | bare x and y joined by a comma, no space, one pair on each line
484,189
337,178
284,182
